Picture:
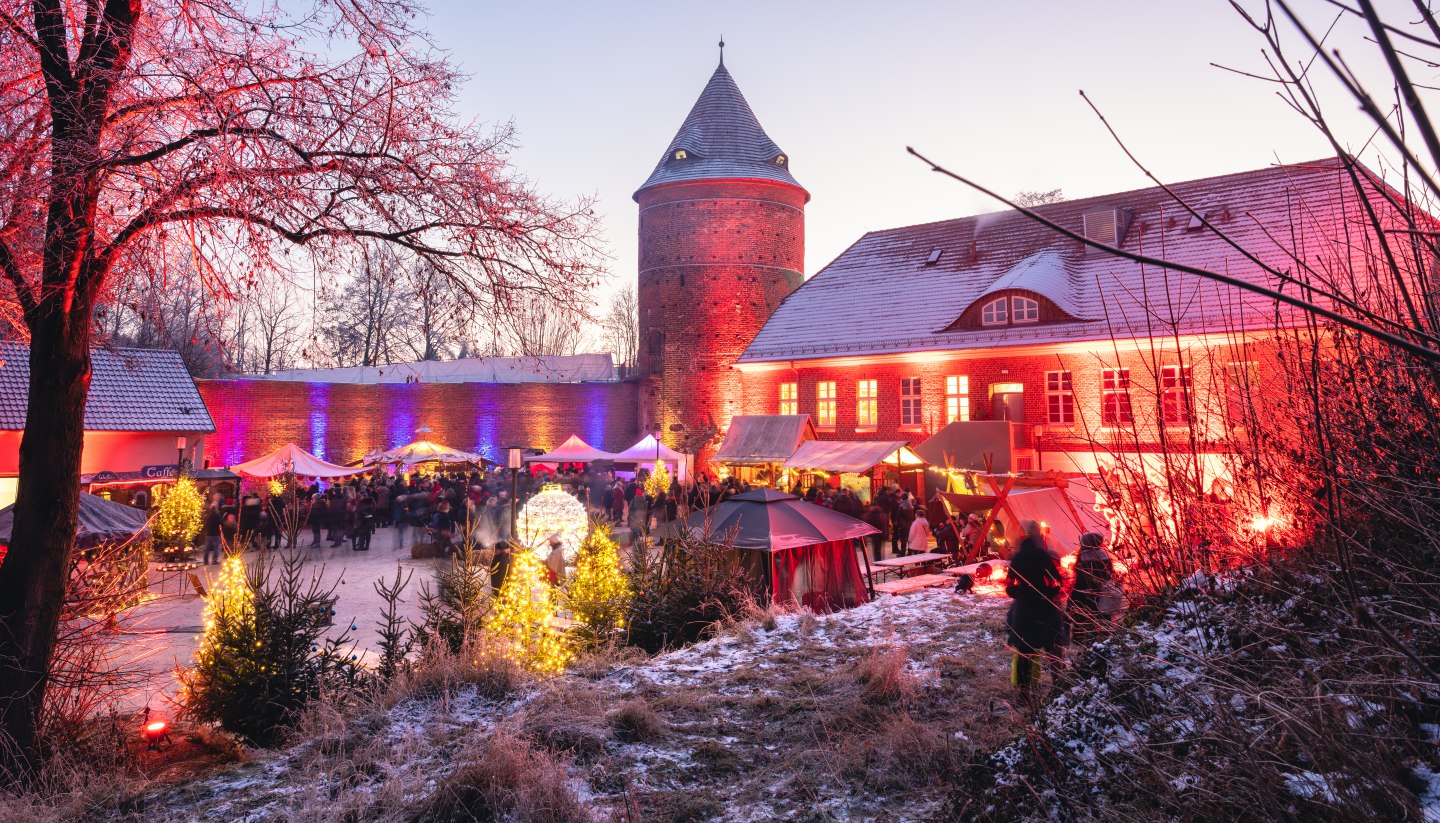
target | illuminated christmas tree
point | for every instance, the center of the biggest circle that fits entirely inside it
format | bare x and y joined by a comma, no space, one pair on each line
178,519
228,636
658,482
599,595
521,618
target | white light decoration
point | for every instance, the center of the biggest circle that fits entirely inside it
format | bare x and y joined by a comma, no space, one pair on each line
551,512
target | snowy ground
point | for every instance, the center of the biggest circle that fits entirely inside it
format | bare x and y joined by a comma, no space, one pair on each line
783,718
164,631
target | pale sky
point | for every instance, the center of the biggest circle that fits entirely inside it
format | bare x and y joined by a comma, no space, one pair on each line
597,89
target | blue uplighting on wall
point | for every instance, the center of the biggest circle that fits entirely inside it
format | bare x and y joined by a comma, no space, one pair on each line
319,418
400,424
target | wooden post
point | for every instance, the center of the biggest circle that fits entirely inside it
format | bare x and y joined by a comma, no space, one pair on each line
869,580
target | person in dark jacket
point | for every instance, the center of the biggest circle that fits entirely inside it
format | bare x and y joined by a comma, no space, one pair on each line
1036,621
1094,573
877,517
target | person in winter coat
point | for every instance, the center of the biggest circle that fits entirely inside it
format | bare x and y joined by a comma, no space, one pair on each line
918,541
1036,622
900,523
1094,574
877,517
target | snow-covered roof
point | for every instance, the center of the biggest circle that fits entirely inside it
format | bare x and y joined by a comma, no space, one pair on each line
575,368
721,138
130,390
1264,211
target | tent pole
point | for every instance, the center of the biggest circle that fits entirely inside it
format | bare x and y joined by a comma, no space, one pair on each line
869,581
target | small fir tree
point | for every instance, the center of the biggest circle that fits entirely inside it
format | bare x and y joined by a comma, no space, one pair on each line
262,652
600,594
178,519
455,610
658,482
521,620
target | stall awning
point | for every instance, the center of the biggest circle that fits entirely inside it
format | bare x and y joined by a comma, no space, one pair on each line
645,452
758,439
851,456
291,457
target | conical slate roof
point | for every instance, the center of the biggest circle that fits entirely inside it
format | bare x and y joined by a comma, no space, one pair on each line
721,139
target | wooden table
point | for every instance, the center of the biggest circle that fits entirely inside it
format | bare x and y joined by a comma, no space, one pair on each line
912,562
905,585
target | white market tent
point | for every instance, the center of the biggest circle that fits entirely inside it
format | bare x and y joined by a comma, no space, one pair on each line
423,451
291,457
573,450
858,457
645,451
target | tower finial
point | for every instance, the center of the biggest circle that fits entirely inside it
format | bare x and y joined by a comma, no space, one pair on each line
722,49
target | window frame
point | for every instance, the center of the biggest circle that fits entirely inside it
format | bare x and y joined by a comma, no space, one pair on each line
957,398
825,404
1177,398
1117,408
789,400
911,407
867,403
1030,307
1000,316
1060,398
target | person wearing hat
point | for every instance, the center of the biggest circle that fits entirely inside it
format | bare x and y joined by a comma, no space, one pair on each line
1091,608
1035,621
555,561
969,536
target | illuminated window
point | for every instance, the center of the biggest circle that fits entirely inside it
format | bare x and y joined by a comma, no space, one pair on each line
1175,395
1059,399
1115,397
825,403
1024,310
995,313
789,398
779,159
681,154
1241,381
866,405
909,401
957,398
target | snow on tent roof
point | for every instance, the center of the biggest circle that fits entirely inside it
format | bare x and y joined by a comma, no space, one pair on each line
645,450
575,368
573,450
100,521
850,456
833,313
764,438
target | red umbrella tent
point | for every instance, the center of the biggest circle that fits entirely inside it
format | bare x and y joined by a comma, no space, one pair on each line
803,554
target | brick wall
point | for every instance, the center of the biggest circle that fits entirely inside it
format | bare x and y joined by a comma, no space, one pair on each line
341,422
716,258
1209,395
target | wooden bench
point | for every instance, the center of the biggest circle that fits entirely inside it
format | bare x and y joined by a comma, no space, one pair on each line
910,564
906,585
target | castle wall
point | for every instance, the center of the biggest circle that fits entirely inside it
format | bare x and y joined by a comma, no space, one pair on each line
340,422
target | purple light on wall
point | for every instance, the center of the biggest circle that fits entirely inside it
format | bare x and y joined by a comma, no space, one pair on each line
487,424
236,434
319,417
400,423
592,418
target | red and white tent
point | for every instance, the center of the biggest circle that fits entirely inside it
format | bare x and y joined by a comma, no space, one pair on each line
573,450
291,457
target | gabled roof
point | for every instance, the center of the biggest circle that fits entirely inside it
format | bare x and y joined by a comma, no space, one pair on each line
130,390
756,439
723,140
833,313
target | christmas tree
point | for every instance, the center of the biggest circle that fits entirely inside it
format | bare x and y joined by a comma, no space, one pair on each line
521,618
599,596
658,482
178,519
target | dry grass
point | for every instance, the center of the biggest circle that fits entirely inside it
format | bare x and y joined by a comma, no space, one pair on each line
570,720
508,779
439,671
635,722
883,677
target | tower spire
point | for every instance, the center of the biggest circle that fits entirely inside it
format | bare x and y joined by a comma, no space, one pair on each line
722,49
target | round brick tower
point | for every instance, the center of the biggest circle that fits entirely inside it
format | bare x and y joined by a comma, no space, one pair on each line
722,242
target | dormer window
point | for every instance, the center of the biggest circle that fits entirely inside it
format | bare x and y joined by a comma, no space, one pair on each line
995,313
780,160
681,154
1024,310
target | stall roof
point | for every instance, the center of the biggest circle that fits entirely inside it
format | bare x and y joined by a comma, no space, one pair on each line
764,438
99,521
965,445
573,450
851,456
645,451
291,457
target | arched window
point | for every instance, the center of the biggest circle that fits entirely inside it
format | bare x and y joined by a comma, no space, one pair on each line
681,154
1024,310
779,159
995,313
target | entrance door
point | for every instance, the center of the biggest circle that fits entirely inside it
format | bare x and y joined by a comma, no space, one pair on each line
1007,402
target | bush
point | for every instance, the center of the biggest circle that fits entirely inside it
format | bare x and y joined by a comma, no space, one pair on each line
683,592
456,609
263,654
509,780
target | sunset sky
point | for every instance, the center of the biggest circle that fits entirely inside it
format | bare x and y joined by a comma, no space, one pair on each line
990,89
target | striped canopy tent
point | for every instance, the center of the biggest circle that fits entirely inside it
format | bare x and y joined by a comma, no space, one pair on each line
573,450
291,457
422,451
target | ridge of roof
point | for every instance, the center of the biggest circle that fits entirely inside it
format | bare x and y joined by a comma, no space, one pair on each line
723,139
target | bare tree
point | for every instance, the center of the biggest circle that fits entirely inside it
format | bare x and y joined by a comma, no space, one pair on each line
365,323
533,327
621,327
265,138
275,340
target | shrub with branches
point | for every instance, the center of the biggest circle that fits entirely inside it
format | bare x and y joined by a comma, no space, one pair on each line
684,591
